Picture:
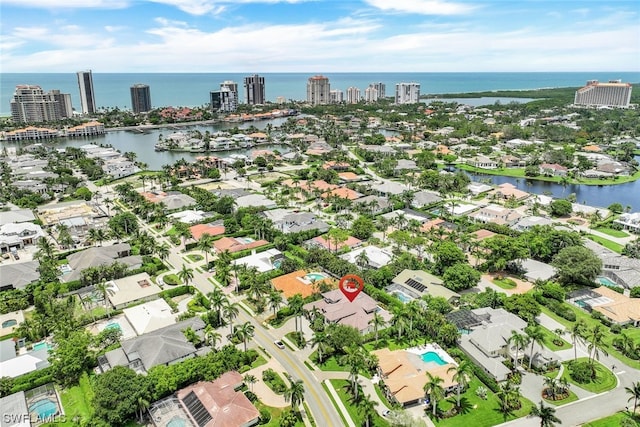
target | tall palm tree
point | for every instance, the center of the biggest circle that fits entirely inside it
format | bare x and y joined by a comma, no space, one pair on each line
186,274
634,391
535,335
295,392
354,359
142,405
275,301
434,390
251,379
519,341
546,414
217,301
205,244
162,251
211,336
231,311
576,332
596,342
367,407
462,375
378,322
245,332
320,339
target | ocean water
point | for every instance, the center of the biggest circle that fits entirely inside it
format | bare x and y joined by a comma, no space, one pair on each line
192,89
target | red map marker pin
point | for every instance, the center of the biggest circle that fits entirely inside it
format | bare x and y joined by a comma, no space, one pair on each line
351,285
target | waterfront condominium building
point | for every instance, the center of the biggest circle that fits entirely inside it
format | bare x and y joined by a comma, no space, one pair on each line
87,95
336,96
407,93
353,95
254,90
371,94
224,100
30,104
611,94
318,90
140,98
381,88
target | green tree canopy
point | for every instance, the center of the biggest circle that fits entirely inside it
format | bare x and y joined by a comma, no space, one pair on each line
461,276
577,265
117,393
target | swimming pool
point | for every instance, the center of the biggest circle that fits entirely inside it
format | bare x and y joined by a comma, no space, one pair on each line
314,276
43,408
402,296
581,304
9,323
245,240
113,325
606,282
42,345
432,356
176,421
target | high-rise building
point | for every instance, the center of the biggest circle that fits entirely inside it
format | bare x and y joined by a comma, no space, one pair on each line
353,95
611,94
371,94
140,98
87,95
224,100
30,104
318,90
254,89
407,93
336,96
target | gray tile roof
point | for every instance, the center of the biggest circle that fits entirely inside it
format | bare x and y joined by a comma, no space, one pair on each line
19,275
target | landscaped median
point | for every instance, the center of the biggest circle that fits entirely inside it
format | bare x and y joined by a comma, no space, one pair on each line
589,375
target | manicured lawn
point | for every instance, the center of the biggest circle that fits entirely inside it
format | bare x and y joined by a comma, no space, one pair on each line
76,402
591,322
606,243
479,412
614,420
505,283
611,232
195,257
548,340
171,279
572,398
604,381
392,344
352,408
276,413
258,362
328,364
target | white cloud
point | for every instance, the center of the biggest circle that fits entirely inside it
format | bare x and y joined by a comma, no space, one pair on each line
214,7
68,4
423,7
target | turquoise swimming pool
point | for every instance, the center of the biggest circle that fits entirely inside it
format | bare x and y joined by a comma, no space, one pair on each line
313,277
606,282
113,325
402,296
176,421
42,345
43,408
431,356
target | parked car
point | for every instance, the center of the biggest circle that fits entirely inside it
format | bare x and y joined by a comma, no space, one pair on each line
386,413
279,344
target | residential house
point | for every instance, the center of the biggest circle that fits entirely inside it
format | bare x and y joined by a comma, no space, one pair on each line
496,214
482,162
300,282
17,216
510,161
342,193
536,270
100,255
616,307
553,169
403,374
528,222
374,256
336,308
403,166
15,236
150,316
324,243
622,270
212,229
18,275
164,346
13,365
629,221
373,204
262,261
130,289
417,283
218,403
235,244
508,191
422,199
477,188
296,222
487,340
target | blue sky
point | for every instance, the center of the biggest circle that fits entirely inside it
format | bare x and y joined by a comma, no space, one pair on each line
320,35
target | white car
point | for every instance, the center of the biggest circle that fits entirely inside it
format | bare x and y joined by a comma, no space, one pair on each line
279,344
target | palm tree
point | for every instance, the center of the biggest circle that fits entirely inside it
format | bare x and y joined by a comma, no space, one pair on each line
519,341
596,343
142,405
244,332
576,332
295,393
462,375
320,339
534,335
634,391
231,311
162,251
378,322
105,291
205,244
275,301
546,414
551,385
434,390
217,301
186,274
368,409
211,336
251,379
354,359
